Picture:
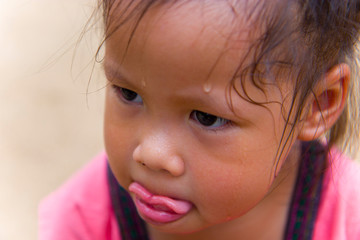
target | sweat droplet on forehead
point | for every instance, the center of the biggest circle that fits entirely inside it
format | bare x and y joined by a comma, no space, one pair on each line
207,87
143,82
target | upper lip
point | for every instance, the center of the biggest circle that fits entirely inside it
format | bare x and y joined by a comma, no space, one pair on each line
179,206
155,191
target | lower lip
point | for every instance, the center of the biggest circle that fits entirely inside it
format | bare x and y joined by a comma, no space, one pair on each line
155,216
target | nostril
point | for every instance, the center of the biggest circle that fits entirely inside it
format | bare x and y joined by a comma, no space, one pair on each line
137,156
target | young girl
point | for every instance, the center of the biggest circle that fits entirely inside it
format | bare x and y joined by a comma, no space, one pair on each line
220,123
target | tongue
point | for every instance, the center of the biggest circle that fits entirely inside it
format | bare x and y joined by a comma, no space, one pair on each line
161,202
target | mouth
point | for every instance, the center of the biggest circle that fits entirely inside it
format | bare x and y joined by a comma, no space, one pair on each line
158,209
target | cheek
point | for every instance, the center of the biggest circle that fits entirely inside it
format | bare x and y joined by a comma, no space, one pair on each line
116,155
230,195
117,144
228,189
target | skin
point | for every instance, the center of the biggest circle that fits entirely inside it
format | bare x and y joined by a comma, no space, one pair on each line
227,171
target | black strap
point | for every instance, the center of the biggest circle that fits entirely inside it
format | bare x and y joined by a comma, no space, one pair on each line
307,192
131,226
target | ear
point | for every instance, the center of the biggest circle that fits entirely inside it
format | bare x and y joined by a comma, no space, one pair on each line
327,103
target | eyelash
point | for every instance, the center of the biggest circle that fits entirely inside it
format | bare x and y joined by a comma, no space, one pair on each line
128,96
197,115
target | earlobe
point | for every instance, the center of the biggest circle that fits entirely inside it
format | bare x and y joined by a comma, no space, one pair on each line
326,104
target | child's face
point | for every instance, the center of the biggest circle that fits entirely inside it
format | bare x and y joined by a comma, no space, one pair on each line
177,68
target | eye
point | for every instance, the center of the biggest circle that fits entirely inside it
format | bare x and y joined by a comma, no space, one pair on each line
208,120
128,95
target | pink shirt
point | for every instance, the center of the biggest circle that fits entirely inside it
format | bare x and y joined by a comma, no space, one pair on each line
81,209
339,211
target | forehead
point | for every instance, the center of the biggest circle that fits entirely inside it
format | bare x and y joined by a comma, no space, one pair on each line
205,34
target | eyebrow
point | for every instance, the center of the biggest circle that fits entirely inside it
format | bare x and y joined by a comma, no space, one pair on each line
113,73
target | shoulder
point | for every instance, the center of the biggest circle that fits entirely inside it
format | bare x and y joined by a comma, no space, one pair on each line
339,212
81,208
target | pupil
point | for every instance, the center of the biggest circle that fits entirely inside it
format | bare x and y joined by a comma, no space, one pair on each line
128,94
205,119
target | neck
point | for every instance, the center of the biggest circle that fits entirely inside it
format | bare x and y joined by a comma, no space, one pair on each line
265,221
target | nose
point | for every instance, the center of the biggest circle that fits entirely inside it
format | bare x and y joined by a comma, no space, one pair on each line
158,153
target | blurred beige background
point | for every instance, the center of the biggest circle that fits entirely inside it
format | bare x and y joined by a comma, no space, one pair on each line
49,127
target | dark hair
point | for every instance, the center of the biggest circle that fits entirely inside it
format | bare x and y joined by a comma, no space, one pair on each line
301,38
